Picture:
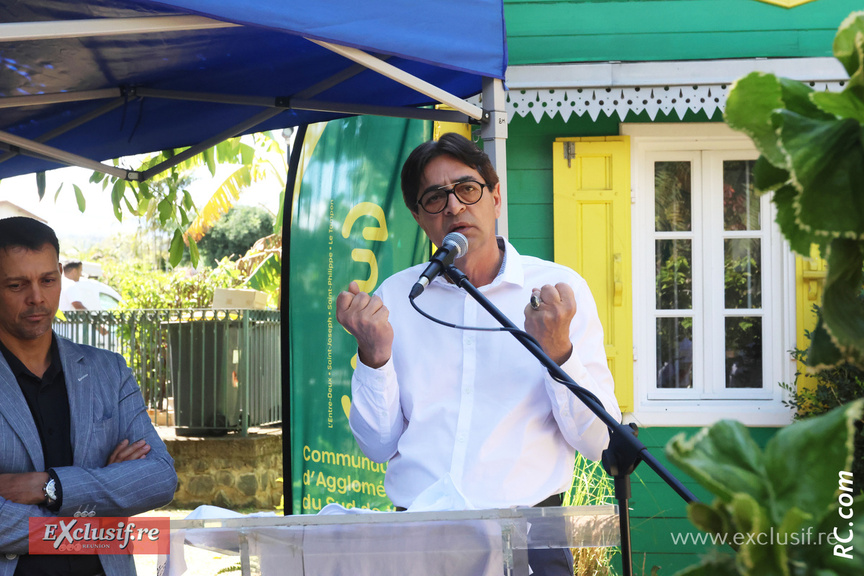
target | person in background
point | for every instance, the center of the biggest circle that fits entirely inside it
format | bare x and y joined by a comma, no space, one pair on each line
74,431
71,276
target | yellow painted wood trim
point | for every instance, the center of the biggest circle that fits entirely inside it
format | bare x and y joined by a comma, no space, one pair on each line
592,231
809,280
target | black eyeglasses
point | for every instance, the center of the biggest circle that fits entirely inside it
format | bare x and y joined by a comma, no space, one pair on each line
468,192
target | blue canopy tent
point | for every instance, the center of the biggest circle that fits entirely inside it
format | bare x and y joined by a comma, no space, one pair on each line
82,82
86,81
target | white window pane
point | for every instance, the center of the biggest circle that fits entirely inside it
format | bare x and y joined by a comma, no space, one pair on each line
743,352
672,196
674,274
674,352
740,202
743,273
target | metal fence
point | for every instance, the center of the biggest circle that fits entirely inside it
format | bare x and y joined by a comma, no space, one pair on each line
204,372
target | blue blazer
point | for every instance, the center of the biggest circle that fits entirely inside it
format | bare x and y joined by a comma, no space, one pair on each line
105,407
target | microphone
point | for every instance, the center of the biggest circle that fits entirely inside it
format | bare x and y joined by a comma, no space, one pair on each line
455,245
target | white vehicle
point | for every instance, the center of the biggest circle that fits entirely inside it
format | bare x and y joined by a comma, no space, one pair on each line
95,295
109,298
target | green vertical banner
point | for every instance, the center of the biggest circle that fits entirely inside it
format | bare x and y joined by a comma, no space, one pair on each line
349,223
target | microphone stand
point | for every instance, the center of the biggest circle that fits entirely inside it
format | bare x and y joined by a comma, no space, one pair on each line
625,451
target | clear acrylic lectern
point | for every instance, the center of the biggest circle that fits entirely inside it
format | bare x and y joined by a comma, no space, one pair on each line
457,543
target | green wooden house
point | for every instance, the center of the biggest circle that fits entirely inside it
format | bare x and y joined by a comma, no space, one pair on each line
619,165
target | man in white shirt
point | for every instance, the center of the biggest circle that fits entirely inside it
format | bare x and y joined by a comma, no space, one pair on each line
471,419
71,276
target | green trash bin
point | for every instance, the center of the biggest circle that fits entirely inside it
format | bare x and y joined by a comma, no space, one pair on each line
204,359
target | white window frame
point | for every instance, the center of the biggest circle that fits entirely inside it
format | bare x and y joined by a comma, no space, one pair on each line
705,405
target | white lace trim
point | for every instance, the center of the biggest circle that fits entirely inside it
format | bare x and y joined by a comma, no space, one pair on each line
621,101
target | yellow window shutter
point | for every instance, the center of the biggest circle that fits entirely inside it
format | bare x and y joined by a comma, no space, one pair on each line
809,279
591,202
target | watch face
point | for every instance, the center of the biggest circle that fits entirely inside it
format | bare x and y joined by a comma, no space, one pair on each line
49,490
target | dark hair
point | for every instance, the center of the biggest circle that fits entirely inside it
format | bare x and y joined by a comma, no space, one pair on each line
72,265
450,144
22,232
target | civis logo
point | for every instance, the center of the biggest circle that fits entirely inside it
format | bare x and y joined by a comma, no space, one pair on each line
107,535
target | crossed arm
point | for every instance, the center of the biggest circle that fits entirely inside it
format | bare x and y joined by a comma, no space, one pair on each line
26,487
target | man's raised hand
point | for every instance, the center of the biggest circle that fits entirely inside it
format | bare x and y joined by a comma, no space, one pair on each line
549,321
367,319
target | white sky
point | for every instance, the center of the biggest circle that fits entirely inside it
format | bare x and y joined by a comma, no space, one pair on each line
98,221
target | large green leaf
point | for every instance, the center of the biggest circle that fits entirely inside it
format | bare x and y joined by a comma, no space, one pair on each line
715,565
724,459
798,98
757,554
787,218
848,42
817,551
842,306
767,177
846,104
793,522
823,352
826,161
797,471
714,520
749,106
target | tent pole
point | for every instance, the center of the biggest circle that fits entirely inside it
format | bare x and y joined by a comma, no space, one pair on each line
90,27
494,135
58,155
60,97
298,103
70,125
209,143
285,324
403,78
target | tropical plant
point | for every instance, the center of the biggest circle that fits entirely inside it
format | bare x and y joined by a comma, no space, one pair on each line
165,197
812,158
782,509
262,268
833,387
146,289
264,160
235,233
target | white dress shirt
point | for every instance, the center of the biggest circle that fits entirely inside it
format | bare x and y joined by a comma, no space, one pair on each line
475,410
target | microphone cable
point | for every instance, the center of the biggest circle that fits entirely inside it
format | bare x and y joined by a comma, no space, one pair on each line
475,328
514,331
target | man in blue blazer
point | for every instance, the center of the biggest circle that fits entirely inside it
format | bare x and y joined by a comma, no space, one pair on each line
75,437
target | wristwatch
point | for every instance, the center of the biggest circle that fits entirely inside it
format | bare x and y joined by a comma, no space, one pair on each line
50,492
